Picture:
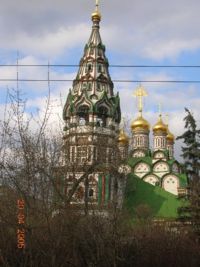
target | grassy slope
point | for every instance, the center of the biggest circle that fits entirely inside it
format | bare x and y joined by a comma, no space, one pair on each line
162,203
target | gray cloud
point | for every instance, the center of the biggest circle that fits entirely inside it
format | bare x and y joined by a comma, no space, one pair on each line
150,29
154,29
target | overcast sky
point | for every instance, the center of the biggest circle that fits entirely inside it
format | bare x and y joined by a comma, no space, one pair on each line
137,32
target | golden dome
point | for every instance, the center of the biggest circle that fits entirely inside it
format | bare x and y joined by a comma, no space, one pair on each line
140,124
122,138
96,15
170,136
160,126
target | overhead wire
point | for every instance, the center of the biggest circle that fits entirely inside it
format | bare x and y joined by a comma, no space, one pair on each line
113,80
111,66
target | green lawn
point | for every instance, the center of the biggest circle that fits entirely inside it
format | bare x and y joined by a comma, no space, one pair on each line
161,203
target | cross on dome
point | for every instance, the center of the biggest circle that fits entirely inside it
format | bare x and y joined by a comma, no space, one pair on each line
140,93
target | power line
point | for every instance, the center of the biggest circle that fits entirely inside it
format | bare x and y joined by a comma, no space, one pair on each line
116,81
112,66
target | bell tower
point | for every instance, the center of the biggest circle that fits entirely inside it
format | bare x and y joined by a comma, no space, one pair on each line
91,112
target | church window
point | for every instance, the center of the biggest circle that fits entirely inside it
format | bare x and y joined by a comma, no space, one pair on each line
79,193
83,113
95,152
102,154
99,88
99,122
162,142
89,86
99,68
171,184
91,192
73,153
141,169
158,142
81,154
99,52
89,68
102,115
109,155
91,51
134,141
151,179
89,153
138,141
103,110
84,85
82,121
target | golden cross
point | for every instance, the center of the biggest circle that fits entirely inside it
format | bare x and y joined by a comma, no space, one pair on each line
140,93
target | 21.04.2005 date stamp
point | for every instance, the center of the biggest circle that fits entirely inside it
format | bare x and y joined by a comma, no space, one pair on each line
21,223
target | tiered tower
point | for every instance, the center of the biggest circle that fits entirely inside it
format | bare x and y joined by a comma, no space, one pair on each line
91,113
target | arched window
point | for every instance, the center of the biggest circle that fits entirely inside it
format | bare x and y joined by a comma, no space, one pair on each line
99,87
100,122
89,86
83,113
84,86
82,121
164,142
91,192
99,68
91,51
89,68
158,142
141,141
99,52
137,141
102,115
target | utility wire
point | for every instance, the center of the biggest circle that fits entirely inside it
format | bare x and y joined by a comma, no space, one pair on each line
112,66
116,81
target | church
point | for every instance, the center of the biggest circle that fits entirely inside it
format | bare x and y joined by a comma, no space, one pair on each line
97,151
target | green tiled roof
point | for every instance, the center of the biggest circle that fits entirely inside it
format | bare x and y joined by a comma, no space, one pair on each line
133,161
162,203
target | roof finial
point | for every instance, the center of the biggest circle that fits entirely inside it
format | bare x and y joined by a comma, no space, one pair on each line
160,110
97,5
96,14
140,93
